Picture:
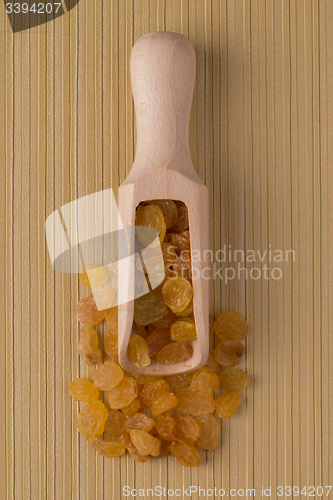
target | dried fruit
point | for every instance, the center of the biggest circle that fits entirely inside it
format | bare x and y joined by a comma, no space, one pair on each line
111,343
194,402
164,450
234,379
187,429
229,325
140,330
169,254
94,276
109,448
139,353
177,293
83,390
87,311
149,308
187,311
170,212
164,403
227,404
112,319
107,376
183,330
114,424
185,453
126,441
139,421
229,353
166,426
91,420
133,408
210,435
145,443
166,321
182,222
180,380
157,339
204,380
88,346
123,394
174,353
182,266
145,379
211,363
180,240
149,393
150,215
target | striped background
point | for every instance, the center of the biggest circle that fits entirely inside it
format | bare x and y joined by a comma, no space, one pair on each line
261,138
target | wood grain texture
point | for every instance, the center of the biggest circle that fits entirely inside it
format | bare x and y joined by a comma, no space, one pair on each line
261,136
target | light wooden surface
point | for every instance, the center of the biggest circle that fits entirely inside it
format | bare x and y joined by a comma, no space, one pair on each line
163,76
261,138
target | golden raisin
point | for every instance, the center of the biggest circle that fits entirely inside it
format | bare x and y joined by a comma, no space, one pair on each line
107,376
114,424
157,339
145,443
139,353
164,450
166,321
210,435
180,240
174,353
187,429
234,379
164,403
134,407
87,311
187,311
177,293
169,254
83,390
204,380
145,379
194,402
111,343
183,330
180,380
123,394
109,448
126,441
149,393
112,318
230,325
94,276
139,421
227,404
182,266
170,212
185,453
91,420
150,215
149,308
182,222
88,346
229,353
166,426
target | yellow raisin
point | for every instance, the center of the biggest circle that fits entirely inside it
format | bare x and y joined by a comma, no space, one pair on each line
166,321
150,392
145,379
83,390
166,426
107,376
194,402
170,212
139,421
149,308
177,294
204,380
145,443
91,420
111,343
180,380
109,448
187,311
87,311
157,339
182,266
183,330
123,394
164,403
94,276
234,379
182,222
134,407
229,325
210,435
83,276
187,429
114,424
126,441
174,353
229,353
227,404
139,353
169,254
112,318
180,240
88,346
185,453
150,215
164,450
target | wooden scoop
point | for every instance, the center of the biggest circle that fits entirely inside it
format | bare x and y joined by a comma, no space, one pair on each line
163,73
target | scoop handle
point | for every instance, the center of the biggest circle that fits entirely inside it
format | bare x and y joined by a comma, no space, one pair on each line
163,74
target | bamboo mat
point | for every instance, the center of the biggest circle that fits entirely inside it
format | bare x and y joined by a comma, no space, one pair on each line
261,138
